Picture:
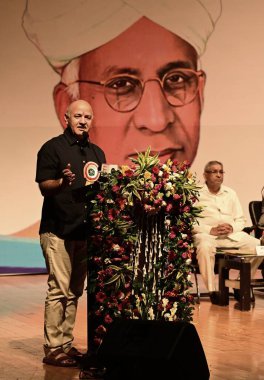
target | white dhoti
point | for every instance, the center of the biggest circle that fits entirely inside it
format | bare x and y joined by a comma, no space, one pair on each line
206,248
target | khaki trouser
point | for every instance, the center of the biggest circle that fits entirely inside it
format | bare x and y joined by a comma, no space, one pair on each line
206,247
67,269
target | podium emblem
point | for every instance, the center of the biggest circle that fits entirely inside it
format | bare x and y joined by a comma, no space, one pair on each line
91,172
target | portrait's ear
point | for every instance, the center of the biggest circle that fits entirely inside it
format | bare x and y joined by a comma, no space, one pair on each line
202,80
61,101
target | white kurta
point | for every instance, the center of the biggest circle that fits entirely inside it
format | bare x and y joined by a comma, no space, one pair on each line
223,207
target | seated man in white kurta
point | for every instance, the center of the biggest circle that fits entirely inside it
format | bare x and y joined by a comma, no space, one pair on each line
220,224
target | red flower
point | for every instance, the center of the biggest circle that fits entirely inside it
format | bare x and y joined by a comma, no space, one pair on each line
129,173
100,297
116,259
136,313
171,255
97,341
155,170
121,203
100,330
125,258
112,214
171,294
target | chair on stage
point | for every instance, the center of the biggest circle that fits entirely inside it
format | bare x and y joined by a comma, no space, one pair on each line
255,210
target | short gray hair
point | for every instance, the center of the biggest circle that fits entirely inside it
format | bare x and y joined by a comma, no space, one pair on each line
211,163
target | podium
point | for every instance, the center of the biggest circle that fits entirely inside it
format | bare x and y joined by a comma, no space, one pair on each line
139,255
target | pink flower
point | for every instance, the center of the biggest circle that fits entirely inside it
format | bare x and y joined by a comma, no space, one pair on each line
169,207
108,319
97,260
115,188
100,198
170,267
172,235
120,295
158,187
97,216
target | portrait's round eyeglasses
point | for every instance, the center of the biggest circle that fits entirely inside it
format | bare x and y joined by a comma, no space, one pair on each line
123,92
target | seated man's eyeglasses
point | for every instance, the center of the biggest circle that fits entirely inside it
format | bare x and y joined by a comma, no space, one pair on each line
215,172
123,92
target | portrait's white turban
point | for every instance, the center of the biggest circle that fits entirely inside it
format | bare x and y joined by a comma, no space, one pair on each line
65,29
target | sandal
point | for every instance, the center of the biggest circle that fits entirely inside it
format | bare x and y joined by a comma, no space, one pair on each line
74,353
59,358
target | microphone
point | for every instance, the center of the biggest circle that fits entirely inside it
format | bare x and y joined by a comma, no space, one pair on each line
85,140
85,136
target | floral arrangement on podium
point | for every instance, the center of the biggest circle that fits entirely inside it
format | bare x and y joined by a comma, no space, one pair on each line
141,248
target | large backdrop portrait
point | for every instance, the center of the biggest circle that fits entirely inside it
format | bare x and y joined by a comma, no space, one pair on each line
181,76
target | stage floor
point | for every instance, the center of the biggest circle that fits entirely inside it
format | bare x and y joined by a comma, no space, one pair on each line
232,340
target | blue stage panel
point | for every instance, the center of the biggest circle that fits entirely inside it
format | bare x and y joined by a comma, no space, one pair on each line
18,255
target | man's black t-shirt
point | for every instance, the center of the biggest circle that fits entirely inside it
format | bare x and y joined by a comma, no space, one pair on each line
67,213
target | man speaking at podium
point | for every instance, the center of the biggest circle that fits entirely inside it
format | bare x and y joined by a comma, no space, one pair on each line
64,228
